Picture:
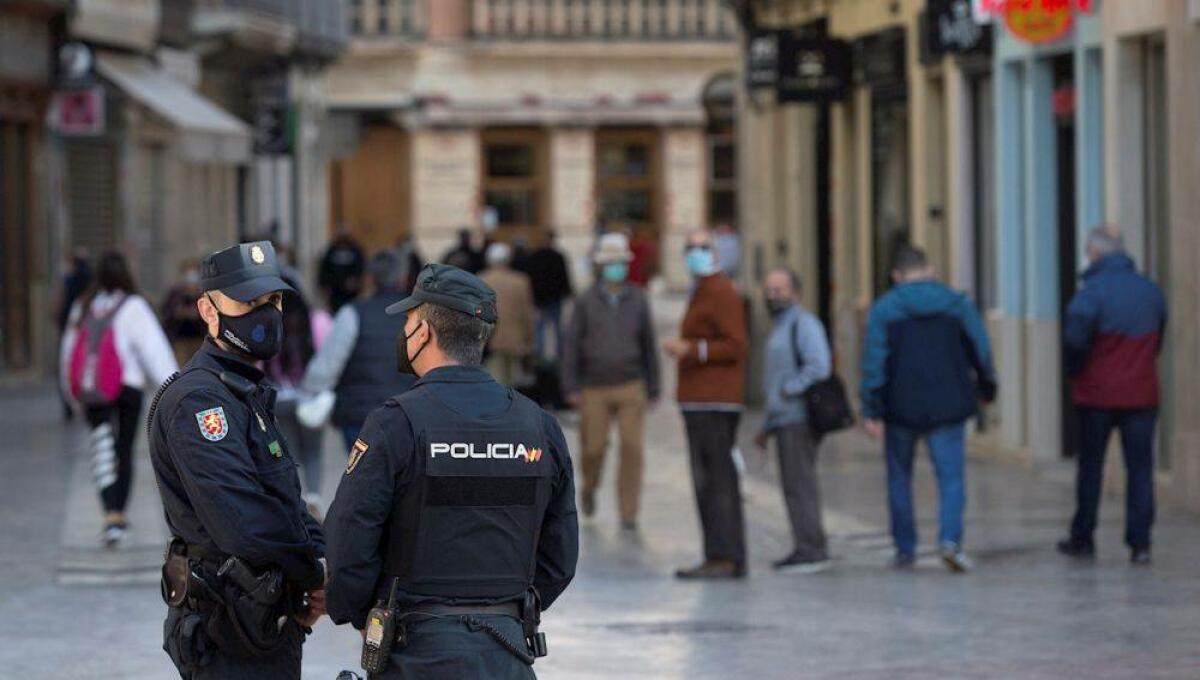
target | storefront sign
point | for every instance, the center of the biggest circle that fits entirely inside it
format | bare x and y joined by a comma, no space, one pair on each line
879,63
949,27
762,59
1035,21
272,114
814,70
799,67
78,112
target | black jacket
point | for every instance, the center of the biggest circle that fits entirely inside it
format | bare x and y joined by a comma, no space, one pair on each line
360,517
227,482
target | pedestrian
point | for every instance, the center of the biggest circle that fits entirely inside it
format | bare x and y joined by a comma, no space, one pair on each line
75,283
465,255
610,371
551,281
711,355
341,270
458,498
1112,336
729,249
926,366
181,318
286,372
512,340
410,260
796,356
356,357
111,351
644,265
245,570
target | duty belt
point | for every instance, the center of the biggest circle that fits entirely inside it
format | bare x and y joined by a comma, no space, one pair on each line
507,608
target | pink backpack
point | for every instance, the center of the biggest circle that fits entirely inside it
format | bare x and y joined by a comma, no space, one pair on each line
95,370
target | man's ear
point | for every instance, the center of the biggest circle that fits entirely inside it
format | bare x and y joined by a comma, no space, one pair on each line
207,309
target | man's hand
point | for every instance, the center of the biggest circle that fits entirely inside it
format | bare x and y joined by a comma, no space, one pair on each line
677,349
760,439
874,428
314,608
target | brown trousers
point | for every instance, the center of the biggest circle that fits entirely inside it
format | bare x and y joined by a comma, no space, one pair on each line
598,407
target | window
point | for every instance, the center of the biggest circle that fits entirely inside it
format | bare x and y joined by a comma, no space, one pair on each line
514,175
722,178
627,179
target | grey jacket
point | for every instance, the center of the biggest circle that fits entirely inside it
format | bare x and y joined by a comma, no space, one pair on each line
783,381
609,342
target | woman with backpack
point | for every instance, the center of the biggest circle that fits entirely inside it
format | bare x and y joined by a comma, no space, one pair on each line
112,349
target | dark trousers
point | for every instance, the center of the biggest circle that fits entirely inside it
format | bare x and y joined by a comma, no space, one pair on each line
449,649
114,427
283,664
1137,444
801,491
711,436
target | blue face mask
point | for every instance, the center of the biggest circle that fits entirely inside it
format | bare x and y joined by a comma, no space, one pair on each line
700,261
615,272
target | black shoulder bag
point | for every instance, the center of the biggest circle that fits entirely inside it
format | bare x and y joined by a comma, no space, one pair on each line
825,400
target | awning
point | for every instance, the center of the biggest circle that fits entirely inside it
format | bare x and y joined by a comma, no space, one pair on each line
208,134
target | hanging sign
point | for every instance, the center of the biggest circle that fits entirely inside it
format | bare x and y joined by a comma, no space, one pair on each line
1035,21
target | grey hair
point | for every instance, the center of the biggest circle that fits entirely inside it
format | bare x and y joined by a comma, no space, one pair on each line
793,277
1105,239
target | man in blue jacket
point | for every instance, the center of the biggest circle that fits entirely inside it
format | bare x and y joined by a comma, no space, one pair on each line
926,366
1112,336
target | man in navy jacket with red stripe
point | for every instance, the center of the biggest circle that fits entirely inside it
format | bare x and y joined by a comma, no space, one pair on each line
1112,336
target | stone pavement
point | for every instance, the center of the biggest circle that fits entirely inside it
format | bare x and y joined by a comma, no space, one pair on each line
71,610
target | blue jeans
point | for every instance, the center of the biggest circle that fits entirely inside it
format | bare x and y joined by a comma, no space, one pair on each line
946,450
1137,443
549,320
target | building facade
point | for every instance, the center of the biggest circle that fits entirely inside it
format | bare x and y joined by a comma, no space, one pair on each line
29,35
535,116
996,156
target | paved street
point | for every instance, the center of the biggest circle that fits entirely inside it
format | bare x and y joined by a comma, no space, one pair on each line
71,610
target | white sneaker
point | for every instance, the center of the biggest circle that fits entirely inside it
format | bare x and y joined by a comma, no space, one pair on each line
113,534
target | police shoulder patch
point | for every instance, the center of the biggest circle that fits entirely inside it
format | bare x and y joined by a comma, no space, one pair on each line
213,424
356,453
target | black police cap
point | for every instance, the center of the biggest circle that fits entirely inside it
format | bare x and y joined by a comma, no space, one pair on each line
243,272
452,288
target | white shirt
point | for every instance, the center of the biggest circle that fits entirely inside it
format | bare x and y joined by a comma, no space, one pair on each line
146,357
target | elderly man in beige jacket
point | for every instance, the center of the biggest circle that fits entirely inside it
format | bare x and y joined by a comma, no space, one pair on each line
512,338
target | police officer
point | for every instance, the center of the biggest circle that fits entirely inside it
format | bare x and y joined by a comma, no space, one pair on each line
459,496
245,571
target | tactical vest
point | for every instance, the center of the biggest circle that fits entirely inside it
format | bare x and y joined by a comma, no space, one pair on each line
469,528
370,376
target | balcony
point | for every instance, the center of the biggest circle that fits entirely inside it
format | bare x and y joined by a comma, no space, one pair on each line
391,18
282,28
615,20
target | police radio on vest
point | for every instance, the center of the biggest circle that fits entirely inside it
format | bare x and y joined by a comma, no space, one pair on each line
492,450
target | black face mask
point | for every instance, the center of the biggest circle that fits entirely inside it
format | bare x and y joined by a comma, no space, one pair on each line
776,306
257,333
403,361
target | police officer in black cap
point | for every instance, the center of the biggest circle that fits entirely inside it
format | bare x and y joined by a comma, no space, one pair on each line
459,498
244,573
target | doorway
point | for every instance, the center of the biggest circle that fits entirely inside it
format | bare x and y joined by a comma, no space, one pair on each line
1063,110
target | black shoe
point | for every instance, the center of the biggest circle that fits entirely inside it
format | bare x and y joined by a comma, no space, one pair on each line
904,560
1140,557
629,525
795,564
1072,548
713,569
